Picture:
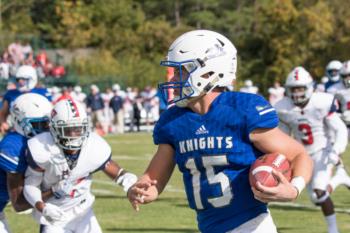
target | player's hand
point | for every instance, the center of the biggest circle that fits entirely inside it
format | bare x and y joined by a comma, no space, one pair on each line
333,157
142,193
4,127
53,213
63,188
283,192
126,180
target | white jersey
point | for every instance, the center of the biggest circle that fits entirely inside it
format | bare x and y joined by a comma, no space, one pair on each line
343,97
45,154
307,124
336,88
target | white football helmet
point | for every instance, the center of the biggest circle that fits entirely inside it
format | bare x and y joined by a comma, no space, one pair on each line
30,114
332,70
248,83
69,124
209,59
26,78
299,77
345,73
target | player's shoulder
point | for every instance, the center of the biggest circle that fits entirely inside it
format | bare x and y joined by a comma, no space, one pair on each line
170,115
13,141
41,147
11,93
284,104
235,99
97,139
95,151
321,100
97,143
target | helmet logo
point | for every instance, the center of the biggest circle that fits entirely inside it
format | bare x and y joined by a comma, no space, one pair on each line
74,108
296,75
53,113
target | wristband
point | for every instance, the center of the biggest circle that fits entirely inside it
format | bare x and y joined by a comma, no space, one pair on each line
299,183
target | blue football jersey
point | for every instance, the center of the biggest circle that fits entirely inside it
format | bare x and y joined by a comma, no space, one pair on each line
214,154
11,95
12,160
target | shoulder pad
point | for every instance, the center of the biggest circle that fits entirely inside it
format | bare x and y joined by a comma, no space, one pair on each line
41,147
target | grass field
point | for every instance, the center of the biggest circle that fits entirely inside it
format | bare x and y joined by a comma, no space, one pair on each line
170,213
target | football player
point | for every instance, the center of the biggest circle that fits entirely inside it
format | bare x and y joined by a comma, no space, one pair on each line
214,137
343,96
307,116
68,155
26,81
332,72
30,116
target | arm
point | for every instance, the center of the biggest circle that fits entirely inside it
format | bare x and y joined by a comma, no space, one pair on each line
119,175
155,178
32,193
32,190
274,140
335,124
15,183
4,112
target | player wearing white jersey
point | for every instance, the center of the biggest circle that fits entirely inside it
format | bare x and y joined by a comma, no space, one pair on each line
307,116
343,96
64,160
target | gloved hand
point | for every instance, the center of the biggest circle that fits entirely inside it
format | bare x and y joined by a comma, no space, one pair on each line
53,213
333,157
126,180
62,188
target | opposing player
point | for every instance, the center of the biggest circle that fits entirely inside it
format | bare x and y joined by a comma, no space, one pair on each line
307,115
26,81
69,154
332,72
30,116
214,137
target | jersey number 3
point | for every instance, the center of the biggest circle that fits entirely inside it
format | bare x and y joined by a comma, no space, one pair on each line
220,178
307,138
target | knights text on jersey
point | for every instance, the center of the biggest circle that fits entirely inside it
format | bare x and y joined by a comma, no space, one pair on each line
214,153
12,160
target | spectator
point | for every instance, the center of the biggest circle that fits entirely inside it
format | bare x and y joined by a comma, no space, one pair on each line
95,105
116,104
276,93
107,112
79,96
65,94
249,87
137,107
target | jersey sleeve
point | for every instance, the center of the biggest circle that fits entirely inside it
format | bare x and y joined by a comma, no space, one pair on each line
161,134
260,114
31,162
334,107
12,161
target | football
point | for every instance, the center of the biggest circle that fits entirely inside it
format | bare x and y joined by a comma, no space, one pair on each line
261,169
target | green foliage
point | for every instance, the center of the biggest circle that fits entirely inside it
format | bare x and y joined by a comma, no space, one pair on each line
132,36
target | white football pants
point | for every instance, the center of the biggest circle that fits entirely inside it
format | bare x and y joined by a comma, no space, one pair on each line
263,223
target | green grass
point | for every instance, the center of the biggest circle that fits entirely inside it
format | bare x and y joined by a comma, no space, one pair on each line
170,213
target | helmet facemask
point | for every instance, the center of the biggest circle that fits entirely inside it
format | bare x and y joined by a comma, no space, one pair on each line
23,84
34,126
346,80
70,136
300,95
333,75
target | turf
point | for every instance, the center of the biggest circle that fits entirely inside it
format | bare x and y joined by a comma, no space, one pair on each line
171,213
